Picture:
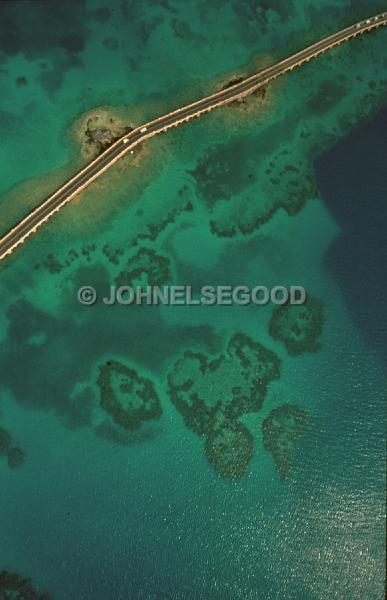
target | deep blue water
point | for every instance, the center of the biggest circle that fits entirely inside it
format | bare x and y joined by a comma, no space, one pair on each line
352,178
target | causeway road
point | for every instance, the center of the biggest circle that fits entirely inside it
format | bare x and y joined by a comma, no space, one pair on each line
126,144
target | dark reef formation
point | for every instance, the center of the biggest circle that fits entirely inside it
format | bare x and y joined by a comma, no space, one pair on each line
34,335
153,230
54,265
281,432
5,441
127,397
146,267
15,587
298,326
229,449
112,254
21,81
14,455
226,180
211,395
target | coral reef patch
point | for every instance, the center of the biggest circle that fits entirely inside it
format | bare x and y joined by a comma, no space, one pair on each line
146,267
15,587
15,456
229,449
281,432
298,326
126,396
5,441
242,191
211,395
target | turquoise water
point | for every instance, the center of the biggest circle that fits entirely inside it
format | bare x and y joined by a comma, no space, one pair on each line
97,512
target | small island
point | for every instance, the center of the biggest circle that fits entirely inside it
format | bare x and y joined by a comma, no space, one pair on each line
99,129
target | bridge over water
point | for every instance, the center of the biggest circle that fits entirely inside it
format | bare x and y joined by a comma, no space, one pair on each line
126,144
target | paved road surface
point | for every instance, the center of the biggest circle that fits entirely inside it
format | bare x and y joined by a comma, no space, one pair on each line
128,142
